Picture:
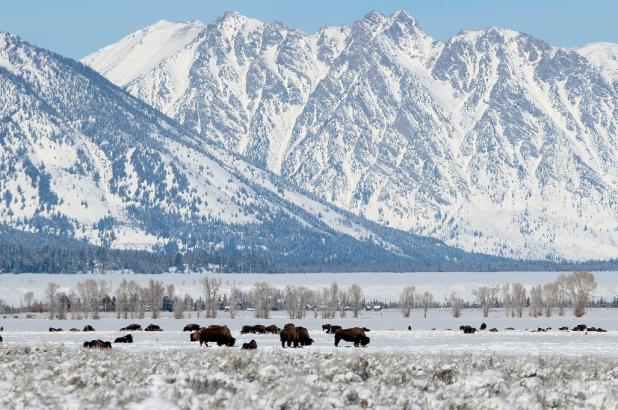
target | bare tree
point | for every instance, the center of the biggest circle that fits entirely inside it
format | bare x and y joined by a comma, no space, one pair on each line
156,292
456,303
518,298
581,285
179,307
550,297
263,298
355,294
507,300
211,290
486,296
342,300
122,300
233,302
406,300
536,301
50,296
28,299
426,300
562,293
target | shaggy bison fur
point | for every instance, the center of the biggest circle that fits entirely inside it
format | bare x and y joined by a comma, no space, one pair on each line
272,329
295,336
97,344
88,328
153,328
124,339
354,335
220,335
252,345
192,327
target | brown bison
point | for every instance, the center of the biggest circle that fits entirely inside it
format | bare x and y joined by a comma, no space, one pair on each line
124,339
330,329
55,329
289,335
252,345
272,329
73,329
88,328
326,327
192,327
246,329
580,328
0,339
260,329
98,344
303,336
467,329
220,335
355,335
131,328
153,328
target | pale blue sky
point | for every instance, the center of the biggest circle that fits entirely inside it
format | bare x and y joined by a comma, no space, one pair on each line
76,28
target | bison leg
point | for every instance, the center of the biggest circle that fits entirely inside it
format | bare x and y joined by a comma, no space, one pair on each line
283,344
337,341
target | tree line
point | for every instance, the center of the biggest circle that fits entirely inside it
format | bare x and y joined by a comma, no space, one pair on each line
88,298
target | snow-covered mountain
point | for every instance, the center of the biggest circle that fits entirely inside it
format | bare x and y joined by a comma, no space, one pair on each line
493,141
604,56
82,158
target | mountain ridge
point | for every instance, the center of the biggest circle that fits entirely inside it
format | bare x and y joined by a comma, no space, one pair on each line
492,141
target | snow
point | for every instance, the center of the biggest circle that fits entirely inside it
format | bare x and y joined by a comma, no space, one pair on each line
603,56
140,52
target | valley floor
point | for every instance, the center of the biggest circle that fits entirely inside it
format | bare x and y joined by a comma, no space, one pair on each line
422,368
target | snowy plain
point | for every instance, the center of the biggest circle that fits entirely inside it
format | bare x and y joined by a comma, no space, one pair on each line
429,366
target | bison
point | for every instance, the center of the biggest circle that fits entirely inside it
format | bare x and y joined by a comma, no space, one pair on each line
252,345
483,326
153,328
88,328
0,339
272,329
192,327
493,329
97,344
303,336
74,329
55,329
124,339
289,335
580,328
246,329
131,328
563,328
467,329
220,335
354,335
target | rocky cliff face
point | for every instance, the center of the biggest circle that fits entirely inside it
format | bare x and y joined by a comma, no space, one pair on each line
493,141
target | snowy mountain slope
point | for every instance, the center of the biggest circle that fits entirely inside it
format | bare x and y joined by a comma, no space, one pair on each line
493,141
80,157
604,56
140,52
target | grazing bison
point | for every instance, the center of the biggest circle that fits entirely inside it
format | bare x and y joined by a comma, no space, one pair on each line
483,326
73,329
55,329
289,335
493,329
564,328
580,328
510,328
355,335
88,328
98,344
131,328
252,345
303,336
467,329
192,327
260,329
153,328
124,339
272,329
326,327
334,328
220,335
246,329
596,329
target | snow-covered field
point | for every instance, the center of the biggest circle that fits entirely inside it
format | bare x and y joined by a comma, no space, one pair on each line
383,286
422,368
68,378
432,366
